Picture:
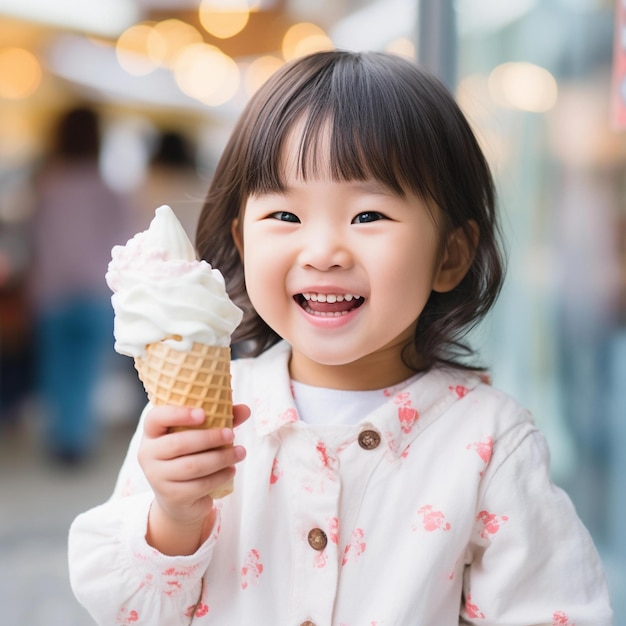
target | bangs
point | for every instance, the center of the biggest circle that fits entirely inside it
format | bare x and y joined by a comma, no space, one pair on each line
346,122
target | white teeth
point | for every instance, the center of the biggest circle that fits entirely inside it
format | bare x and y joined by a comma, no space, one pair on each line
330,297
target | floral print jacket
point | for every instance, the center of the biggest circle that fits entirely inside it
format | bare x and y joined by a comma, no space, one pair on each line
435,510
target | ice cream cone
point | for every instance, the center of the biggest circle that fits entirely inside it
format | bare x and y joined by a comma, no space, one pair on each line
197,378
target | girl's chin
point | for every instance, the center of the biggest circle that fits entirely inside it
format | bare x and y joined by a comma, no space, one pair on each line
354,372
324,357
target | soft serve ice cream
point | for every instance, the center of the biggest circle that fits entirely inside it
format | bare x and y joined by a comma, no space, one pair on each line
173,315
163,293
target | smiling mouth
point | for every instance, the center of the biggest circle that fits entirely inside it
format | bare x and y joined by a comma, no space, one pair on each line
328,304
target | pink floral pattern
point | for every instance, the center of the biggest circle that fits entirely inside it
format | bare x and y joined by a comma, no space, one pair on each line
483,448
252,569
431,519
491,523
289,415
471,609
333,529
329,462
560,619
276,472
407,414
126,617
393,448
199,610
355,547
173,576
459,390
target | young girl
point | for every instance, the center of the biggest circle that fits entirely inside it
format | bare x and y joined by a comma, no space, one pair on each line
384,482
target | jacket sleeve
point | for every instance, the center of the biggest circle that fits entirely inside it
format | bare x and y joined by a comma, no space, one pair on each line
116,575
531,560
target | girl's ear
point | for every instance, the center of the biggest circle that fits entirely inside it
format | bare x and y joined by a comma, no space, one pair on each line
457,257
237,236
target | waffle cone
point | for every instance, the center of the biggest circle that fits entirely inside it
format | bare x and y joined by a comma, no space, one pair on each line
198,378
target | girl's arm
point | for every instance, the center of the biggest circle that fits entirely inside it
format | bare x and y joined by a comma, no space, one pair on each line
120,579
118,567
531,559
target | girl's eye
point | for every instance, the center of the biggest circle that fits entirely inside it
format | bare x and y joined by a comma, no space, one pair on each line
368,216
285,216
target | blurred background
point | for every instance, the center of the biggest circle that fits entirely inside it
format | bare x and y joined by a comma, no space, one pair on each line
109,108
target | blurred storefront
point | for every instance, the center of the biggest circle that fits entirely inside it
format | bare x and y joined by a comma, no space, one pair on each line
535,77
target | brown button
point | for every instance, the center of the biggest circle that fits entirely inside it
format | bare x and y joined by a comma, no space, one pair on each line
369,439
308,623
317,539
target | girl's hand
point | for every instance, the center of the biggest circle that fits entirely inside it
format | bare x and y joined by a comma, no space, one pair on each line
182,467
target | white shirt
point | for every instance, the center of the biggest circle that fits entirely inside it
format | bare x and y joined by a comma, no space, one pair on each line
435,510
320,405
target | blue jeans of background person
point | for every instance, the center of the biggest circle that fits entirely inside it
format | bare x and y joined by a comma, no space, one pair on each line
75,336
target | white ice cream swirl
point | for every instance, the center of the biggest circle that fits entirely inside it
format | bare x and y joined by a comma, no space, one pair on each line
162,292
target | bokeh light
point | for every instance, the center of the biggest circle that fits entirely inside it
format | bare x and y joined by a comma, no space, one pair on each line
402,46
304,38
20,73
174,35
224,18
205,73
259,71
523,86
140,49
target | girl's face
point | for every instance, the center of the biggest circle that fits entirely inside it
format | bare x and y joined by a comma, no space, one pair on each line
341,271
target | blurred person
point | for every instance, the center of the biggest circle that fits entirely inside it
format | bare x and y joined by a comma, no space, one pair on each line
77,220
15,320
172,178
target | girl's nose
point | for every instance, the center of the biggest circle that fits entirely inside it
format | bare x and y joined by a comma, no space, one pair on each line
325,250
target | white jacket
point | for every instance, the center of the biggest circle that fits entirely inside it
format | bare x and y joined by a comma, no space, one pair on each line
436,510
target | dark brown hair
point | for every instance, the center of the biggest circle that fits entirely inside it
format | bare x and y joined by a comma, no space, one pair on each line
390,120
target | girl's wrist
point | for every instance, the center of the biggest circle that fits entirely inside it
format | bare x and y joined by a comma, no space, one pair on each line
175,537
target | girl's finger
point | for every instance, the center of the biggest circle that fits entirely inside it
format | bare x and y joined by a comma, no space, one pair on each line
203,465
241,412
192,441
181,493
161,419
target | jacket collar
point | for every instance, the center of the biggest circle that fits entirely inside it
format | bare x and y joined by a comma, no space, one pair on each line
408,412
